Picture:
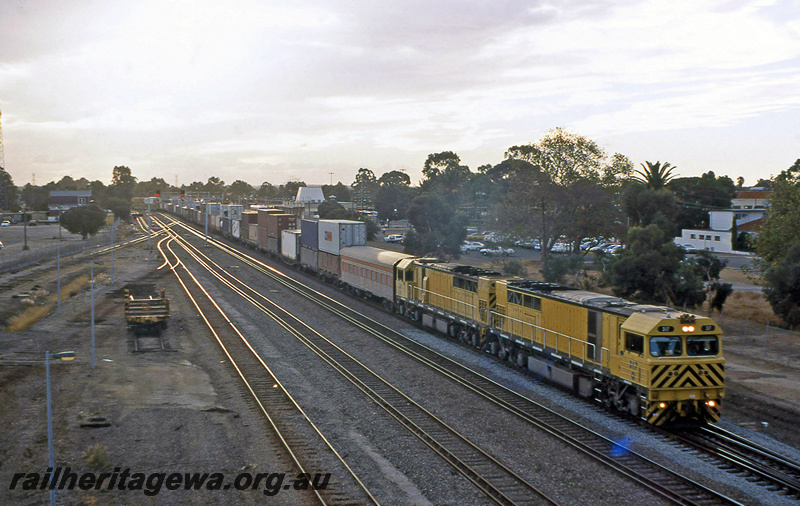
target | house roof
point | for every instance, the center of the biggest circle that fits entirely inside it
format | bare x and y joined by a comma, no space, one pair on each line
751,226
71,193
310,194
754,194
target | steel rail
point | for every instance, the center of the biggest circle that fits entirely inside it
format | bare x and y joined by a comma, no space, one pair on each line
661,480
264,391
491,476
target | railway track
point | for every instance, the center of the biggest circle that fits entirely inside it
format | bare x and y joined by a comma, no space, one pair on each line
497,481
307,447
738,455
652,475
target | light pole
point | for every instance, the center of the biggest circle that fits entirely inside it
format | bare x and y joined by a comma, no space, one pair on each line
92,291
149,247
25,225
58,260
68,355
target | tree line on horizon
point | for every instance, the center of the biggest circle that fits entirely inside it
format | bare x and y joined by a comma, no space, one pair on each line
562,186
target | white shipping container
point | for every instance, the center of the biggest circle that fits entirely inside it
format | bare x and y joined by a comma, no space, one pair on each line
252,233
236,228
334,235
290,244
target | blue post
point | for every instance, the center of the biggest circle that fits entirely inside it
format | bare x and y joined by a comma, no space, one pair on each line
50,426
58,262
92,291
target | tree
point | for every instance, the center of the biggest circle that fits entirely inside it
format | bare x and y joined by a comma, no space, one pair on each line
120,207
338,192
780,229
438,162
289,190
698,195
266,191
782,288
547,183
364,188
655,175
8,192
35,197
438,227
392,201
215,187
645,206
394,178
156,186
331,210
83,220
240,189
122,183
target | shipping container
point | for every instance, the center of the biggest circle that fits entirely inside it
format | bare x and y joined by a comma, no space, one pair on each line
236,228
308,257
212,208
214,222
263,213
262,238
337,234
235,211
225,225
252,233
290,244
274,245
328,263
277,223
309,234
249,217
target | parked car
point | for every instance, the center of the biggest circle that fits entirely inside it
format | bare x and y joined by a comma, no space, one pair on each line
393,238
468,246
5,223
688,248
497,250
1,245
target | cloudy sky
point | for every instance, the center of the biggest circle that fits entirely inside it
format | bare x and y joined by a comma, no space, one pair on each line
274,90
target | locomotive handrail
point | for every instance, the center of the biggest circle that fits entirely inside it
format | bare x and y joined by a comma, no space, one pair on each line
545,331
472,309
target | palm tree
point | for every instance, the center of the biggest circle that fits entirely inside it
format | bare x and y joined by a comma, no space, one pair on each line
655,175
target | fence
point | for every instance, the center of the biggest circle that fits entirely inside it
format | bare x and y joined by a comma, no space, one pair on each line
21,259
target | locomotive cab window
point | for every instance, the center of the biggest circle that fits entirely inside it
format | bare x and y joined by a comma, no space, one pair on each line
665,346
634,343
702,345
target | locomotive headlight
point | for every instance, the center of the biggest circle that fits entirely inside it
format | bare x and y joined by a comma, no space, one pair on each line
662,405
711,404
688,328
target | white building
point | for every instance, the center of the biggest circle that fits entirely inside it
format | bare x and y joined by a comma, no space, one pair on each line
747,209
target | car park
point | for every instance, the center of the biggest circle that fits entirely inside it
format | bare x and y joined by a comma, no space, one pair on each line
468,246
393,238
497,250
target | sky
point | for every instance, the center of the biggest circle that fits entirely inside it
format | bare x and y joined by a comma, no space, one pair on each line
313,90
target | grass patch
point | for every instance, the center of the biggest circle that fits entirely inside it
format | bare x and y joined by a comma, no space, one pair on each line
96,456
34,313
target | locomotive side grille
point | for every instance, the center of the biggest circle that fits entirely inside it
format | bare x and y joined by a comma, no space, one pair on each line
687,375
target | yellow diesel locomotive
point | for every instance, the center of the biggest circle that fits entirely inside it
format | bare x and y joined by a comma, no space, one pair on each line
656,363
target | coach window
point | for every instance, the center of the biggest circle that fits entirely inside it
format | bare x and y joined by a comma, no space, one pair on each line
634,343
702,345
665,346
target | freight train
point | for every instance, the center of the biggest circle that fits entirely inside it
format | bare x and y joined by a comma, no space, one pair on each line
655,363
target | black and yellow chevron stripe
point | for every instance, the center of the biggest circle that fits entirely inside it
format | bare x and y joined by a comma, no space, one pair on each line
687,375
